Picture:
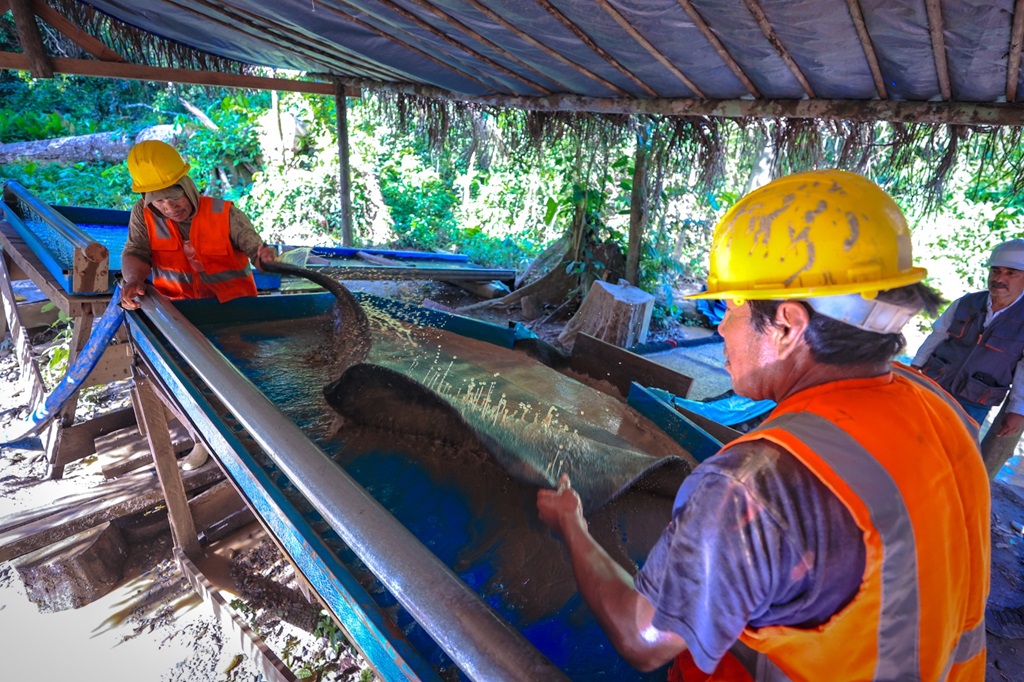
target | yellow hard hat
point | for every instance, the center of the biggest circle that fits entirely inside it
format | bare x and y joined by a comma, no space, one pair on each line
155,165
807,235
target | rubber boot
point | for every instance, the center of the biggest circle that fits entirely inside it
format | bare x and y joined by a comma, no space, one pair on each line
194,459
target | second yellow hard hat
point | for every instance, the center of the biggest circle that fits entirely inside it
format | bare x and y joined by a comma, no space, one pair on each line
155,165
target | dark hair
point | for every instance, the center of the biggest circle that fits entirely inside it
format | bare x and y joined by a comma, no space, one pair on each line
836,343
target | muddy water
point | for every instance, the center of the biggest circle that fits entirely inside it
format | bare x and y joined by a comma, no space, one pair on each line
470,507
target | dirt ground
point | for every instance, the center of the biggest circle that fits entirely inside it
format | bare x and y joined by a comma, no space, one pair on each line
154,626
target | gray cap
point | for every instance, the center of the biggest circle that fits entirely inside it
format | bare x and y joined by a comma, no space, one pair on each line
1008,255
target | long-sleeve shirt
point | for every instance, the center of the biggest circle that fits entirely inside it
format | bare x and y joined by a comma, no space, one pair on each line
1015,398
243,235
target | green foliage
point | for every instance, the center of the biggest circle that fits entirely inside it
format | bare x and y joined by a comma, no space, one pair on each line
83,184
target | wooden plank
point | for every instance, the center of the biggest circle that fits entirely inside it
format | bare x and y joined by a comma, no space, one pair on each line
127,449
183,527
268,662
114,365
73,306
620,367
103,69
37,314
79,440
91,270
25,532
19,334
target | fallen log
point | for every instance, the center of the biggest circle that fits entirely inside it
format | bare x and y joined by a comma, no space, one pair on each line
108,147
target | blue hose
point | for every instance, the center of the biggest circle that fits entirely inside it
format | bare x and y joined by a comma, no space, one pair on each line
86,361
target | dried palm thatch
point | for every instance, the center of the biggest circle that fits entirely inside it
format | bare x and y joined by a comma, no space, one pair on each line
911,159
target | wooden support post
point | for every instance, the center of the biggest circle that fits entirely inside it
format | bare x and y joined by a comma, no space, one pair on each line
183,528
344,176
995,450
637,210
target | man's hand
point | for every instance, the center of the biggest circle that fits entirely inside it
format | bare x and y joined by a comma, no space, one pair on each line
129,292
561,510
1012,424
266,254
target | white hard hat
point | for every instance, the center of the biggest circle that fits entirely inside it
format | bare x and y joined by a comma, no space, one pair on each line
1008,255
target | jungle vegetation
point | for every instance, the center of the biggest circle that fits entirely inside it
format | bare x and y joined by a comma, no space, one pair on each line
492,186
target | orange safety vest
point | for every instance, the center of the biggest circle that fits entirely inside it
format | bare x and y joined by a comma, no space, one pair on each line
912,477
225,271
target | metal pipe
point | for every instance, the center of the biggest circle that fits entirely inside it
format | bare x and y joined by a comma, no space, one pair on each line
480,642
70,232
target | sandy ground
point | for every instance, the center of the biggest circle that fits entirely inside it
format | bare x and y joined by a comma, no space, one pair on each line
154,626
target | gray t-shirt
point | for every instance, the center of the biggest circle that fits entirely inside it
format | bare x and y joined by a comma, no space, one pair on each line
757,539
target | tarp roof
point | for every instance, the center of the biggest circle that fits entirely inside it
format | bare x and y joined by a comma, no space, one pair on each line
912,60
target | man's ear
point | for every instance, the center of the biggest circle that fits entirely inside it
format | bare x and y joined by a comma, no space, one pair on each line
791,321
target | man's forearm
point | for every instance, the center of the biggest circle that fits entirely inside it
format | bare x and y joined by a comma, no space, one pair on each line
623,613
134,269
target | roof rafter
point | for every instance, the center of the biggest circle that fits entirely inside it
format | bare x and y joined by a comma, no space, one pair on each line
409,16
494,16
773,38
370,27
869,49
241,20
935,26
586,40
101,69
1013,56
79,37
702,25
31,41
476,35
906,111
651,49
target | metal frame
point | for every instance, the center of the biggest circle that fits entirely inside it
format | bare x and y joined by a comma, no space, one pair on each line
479,641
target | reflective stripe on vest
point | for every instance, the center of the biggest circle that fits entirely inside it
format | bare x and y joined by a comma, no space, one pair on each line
872,483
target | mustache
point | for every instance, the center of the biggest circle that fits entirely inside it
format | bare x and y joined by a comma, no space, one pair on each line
997,285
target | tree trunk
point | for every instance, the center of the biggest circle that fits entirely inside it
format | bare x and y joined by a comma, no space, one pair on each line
106,147
617,313
637,212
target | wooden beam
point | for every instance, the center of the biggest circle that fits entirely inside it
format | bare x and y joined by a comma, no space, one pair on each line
623,22
869,49
773,38
960,113
262,656
87,67
412,18
546,49
710,36
619,367
1013,57
344,174
935,27
183,528
85,41
348,16
586,40
337,57
31,41
479,37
